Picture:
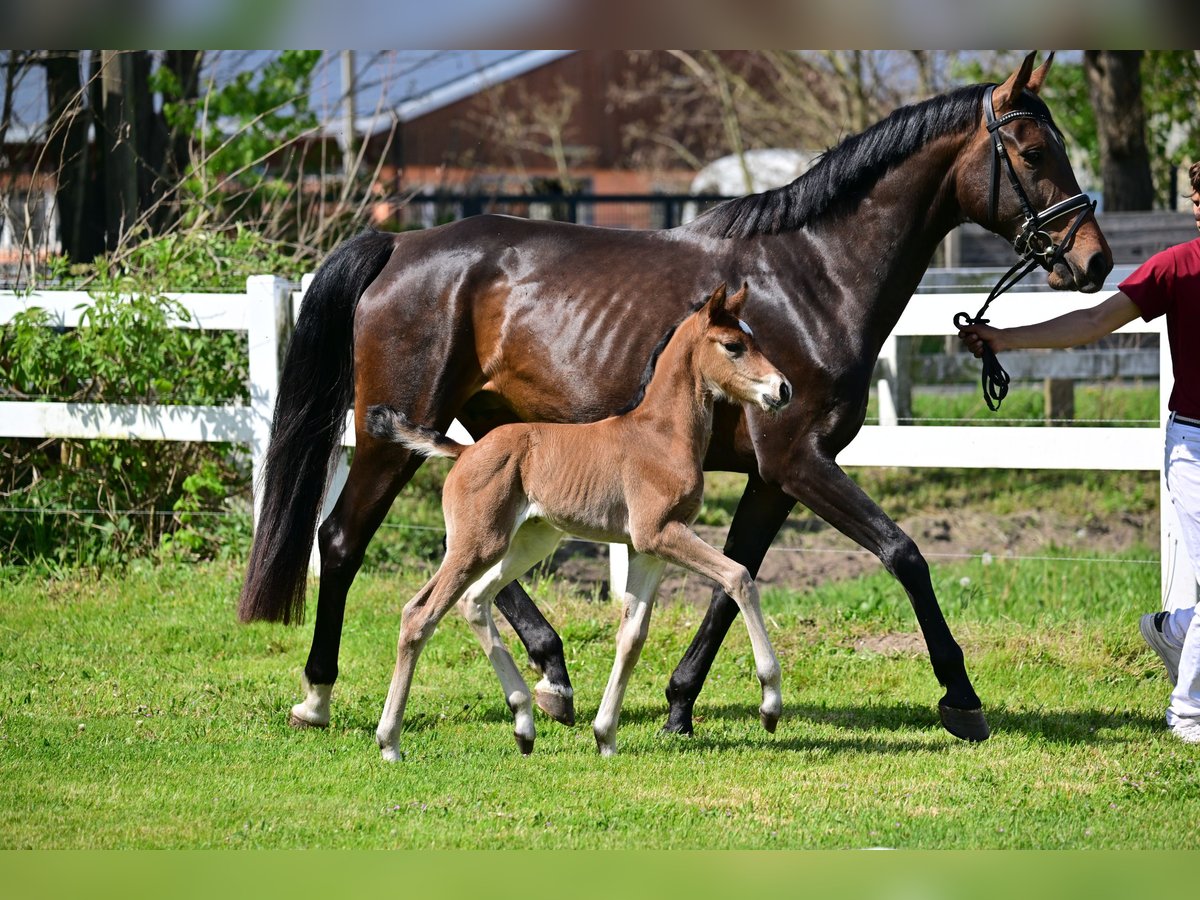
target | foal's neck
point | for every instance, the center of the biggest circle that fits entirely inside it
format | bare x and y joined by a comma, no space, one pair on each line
678,403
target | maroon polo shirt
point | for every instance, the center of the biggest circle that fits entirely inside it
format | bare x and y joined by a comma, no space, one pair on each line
1168,283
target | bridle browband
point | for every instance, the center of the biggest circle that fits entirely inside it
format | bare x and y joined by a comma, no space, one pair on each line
1033,243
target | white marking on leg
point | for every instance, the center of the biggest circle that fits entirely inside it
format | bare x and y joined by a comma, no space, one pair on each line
313,711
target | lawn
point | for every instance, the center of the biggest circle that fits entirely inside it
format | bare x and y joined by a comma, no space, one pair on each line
135,712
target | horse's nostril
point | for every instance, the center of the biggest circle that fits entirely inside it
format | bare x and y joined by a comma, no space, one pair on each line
785,393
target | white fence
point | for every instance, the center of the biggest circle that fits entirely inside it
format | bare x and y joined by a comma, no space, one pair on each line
263,312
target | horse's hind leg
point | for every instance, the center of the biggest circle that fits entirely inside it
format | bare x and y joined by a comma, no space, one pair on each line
645,572
377,474
760,513
553,694
830,493
533,542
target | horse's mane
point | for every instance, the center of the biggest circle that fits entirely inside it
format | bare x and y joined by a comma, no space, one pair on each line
640,394
842,175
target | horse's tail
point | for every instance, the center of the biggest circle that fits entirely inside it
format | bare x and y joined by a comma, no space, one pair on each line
389,424
315,390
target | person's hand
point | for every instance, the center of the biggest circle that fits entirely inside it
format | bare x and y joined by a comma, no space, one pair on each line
975,336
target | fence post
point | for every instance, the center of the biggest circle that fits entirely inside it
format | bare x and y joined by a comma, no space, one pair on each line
268,327
894,389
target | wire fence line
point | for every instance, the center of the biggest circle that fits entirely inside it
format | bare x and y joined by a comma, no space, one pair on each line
985,556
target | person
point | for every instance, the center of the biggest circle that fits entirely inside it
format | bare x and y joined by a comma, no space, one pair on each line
1166,284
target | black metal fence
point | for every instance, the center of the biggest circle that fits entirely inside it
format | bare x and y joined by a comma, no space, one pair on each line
610,210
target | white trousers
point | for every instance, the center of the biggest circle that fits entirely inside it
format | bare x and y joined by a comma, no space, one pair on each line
1183,483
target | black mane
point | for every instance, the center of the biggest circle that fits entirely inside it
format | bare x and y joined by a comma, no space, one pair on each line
845,173
640,394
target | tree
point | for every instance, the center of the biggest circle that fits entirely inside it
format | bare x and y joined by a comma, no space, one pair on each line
1114,82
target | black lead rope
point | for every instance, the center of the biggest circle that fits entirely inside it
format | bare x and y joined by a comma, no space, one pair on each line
995,379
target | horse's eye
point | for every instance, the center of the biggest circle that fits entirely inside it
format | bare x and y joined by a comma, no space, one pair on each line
1032,156
734,348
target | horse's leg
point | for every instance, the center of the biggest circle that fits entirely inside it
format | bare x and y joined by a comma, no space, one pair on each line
829,492
532,543
679,544
377,474
645,572
553,693
760,514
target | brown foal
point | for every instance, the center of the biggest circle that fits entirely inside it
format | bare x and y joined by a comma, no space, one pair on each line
635,478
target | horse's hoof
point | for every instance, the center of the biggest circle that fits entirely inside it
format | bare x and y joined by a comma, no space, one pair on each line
967,724
524,744
678,723
556,704
606,748
296,722
769,720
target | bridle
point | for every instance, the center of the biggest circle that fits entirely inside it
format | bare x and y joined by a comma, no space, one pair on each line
1033,243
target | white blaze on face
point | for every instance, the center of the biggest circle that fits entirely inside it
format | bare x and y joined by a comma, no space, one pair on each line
746,328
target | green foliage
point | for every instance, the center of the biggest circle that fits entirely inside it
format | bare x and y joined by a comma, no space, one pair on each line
241,131
95,503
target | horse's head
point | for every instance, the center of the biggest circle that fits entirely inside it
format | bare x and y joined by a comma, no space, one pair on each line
1017,182
728,357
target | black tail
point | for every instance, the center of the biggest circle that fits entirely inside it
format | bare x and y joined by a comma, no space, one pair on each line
315,390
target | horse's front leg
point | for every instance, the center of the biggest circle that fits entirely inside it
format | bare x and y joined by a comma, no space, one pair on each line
818,482
760,514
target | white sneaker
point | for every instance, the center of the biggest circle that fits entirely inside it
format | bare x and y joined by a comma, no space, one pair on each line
1187,730
1150,625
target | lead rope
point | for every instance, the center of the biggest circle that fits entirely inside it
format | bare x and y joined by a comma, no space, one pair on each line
995,379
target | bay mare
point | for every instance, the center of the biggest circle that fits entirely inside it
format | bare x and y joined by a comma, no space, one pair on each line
495,319
636,478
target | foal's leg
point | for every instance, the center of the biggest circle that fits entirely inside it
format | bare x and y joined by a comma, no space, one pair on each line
645,572
533,542
417,625
760,513
377,474
679,544
830,493
553,694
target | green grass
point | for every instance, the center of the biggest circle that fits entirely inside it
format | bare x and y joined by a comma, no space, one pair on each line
1095,404
134,712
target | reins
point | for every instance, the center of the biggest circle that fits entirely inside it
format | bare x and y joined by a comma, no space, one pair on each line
1033,244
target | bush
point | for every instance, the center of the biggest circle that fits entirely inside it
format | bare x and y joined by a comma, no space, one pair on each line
96,503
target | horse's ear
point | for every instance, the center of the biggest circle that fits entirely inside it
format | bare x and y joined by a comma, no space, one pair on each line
735,303
1039,74
716,301
1005,95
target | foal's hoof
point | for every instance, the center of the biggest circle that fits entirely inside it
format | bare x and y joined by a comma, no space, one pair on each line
769,720
524,744
967,724
296,722
556,702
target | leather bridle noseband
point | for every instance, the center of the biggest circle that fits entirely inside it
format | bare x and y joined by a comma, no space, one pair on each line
1033,243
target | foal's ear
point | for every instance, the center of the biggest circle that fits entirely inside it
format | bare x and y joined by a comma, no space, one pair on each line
716,301
735,303
1006,94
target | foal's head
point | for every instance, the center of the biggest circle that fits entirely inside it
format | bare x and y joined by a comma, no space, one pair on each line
728,357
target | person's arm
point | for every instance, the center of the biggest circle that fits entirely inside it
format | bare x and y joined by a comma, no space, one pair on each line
1081,326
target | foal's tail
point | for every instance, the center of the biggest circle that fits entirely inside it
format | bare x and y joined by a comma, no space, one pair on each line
315,390
389,424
